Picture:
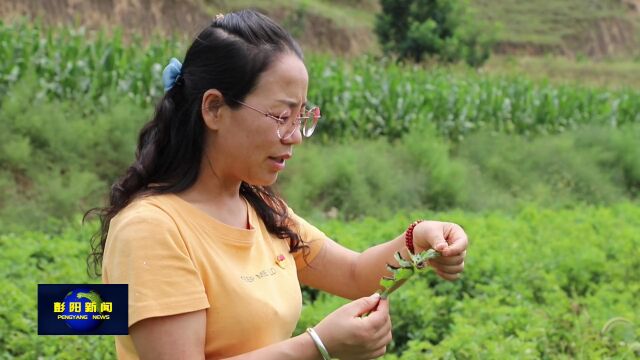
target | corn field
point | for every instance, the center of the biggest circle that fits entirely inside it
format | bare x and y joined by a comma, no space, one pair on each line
363,98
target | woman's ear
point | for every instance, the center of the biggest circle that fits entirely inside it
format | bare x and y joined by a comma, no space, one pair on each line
212,106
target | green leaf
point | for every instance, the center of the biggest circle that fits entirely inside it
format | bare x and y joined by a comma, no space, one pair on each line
407,269
400,260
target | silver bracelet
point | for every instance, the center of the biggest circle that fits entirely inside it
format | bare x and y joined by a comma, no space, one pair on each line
316,339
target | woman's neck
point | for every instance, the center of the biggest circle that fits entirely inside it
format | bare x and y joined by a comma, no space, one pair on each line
220,200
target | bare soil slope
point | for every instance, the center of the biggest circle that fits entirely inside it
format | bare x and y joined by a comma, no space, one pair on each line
590,28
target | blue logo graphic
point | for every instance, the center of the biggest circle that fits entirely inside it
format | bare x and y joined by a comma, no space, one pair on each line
82,309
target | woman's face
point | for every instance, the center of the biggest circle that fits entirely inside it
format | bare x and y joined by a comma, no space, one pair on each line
246,146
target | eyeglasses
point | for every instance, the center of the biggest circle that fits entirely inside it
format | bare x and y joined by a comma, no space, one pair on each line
287,125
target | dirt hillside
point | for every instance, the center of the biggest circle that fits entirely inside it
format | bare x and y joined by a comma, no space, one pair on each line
595,38
148,17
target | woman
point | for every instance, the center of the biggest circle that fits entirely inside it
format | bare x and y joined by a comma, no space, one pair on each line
213,257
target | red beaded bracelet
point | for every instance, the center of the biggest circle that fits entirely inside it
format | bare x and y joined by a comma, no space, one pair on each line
408,236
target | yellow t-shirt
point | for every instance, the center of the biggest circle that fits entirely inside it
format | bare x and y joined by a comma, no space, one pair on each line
178,259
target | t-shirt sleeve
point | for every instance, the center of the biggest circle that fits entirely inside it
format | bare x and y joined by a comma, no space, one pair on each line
311,236
144,249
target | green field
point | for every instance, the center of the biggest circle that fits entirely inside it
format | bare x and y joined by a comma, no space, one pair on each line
441,118
537,158
538,284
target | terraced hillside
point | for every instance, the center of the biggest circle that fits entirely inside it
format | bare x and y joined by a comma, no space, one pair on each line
573,28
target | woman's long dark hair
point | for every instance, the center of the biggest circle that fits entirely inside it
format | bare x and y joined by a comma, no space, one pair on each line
229,55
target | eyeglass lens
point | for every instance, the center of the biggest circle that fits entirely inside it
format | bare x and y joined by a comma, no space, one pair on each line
307,121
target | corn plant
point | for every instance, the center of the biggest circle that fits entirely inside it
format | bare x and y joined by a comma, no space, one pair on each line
361,98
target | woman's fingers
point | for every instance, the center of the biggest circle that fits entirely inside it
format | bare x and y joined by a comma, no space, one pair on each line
457,239
381,339
378,316
448,276
448,260
384,329
450,269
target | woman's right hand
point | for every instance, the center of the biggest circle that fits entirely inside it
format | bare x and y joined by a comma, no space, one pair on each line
346,335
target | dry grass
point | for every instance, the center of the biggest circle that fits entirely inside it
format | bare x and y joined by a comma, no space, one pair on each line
614,74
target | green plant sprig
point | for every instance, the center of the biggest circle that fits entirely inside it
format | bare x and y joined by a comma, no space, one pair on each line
406,269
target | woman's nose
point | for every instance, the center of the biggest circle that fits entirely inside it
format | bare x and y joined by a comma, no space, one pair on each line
294,139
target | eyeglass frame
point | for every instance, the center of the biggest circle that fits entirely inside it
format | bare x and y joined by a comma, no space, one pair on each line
297,123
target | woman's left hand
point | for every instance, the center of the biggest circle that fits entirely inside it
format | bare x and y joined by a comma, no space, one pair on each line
447,238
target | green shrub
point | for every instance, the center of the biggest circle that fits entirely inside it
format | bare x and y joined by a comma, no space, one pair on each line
537,284
359,178
439,177
32,258
375,177
415,29
552,170
617,153
59,156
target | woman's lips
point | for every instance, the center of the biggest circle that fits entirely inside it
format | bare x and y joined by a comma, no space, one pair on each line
277,162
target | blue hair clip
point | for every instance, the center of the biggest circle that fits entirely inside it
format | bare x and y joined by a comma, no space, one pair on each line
171,73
